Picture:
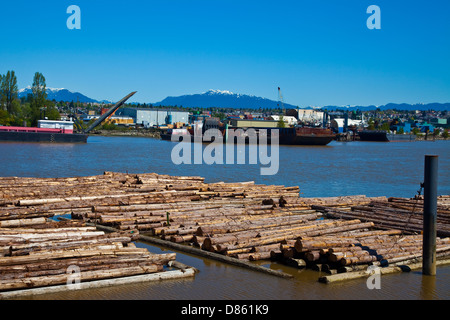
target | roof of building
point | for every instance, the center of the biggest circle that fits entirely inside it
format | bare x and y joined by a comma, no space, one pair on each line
340,122
155,109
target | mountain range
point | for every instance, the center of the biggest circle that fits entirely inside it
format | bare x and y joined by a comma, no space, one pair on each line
227,99
222,99
61,94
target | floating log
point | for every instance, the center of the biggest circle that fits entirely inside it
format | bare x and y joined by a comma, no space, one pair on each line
36,252
364,273
158,276
297,263
240,219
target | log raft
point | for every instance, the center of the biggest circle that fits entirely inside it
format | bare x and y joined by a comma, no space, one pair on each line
42,258
243,221
39,254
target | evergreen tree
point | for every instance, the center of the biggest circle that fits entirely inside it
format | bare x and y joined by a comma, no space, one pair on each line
281,123
39,97
445,134
10,91
436,132
2,98
371,124
51,111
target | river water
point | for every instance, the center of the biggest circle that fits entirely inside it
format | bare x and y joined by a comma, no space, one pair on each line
339,169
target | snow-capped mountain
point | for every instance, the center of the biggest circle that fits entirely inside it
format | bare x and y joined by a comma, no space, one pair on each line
212,92
59,94
227,99
221,99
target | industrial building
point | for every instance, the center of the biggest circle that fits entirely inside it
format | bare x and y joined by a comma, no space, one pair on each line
119,120
307,116
246,123
155,117
66,126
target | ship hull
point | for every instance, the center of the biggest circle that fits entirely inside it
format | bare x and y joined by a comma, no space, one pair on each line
306,140
166,136
383,136
42,137
380,136
288,136
306,136
400,137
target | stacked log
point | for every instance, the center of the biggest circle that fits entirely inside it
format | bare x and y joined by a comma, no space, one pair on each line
400,213
243,220
343,201
180,207
173,207
397,239
356,251
14,189
244,244
38,252
31,257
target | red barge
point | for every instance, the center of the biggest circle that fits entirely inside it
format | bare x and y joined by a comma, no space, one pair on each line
54,135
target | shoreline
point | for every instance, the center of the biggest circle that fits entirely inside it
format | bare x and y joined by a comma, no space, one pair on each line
155,133
128,133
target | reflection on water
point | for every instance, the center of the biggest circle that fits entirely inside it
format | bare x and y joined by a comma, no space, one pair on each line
428,288
373,169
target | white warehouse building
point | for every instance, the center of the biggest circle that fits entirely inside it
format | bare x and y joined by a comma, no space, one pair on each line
155,117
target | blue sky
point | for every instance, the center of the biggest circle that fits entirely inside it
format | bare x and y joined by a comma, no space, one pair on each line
319,52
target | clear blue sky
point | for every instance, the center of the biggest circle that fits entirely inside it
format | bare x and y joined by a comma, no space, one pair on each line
319,52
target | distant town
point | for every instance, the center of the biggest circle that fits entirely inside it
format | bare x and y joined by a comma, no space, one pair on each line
28,110
163,117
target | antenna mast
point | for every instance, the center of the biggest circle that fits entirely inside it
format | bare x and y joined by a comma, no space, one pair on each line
280,100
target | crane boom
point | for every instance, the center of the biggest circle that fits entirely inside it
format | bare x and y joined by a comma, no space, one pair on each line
109,112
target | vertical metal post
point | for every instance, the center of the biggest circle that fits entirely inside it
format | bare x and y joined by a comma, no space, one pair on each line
429,215
226,132
346,121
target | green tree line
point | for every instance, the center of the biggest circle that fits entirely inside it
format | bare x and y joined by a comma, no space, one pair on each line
27,111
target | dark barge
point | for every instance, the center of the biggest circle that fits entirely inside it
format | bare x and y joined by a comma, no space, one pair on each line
384,136
287,136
